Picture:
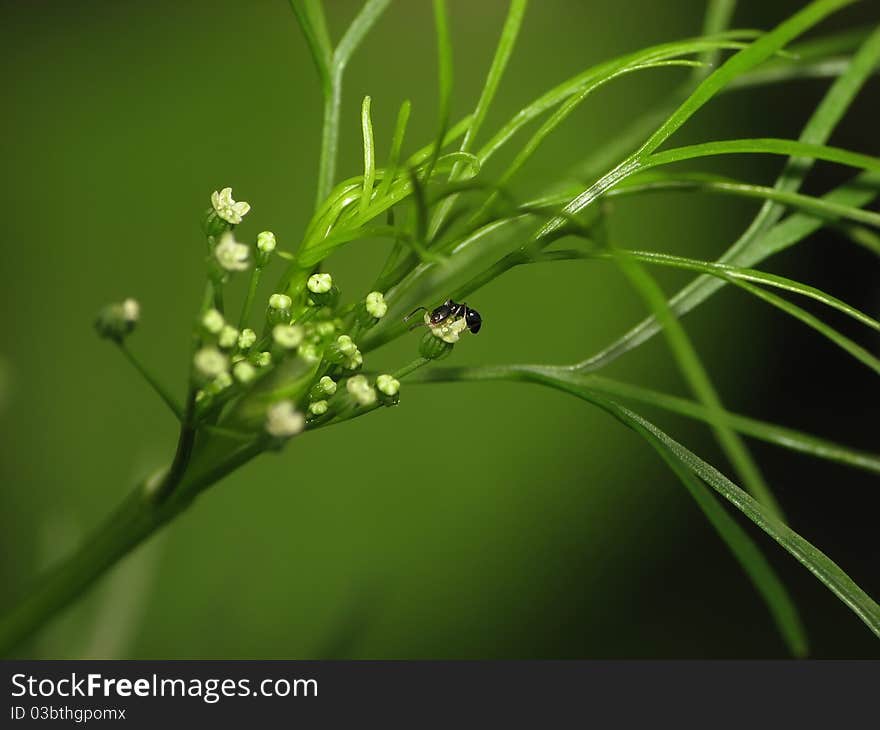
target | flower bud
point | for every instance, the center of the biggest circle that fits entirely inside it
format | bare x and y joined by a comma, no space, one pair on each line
320,283
287,336
389,389
318,407
309,352
213,322
244,372
433,348
354,362
219,384
116,321
246,339
261,359
325,387
342,351
208,363
283,420
360,388
279,309
265,246
375,304
228,337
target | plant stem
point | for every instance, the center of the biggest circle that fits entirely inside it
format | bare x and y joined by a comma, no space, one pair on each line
135,520
249,297
167,398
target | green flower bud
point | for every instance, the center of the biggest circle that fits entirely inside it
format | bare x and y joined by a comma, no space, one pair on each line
228,337
261,359
287,336
219,384
388,384
342,351
354,362
320,283
283,420
244,372
279,309
433,348
325,329
246,339
309,352
266,242
213,322
325,387
319,407
361,390
375,304
116,321
208,363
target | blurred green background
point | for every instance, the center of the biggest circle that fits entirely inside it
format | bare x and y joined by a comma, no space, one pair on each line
555,532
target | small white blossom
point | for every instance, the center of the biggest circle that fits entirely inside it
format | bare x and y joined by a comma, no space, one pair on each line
266,241
388,384
318,408
232,255
361,389
327,385
375,304
209,362
244,372
246,339
283,420
228,337
280,301
448,330
320,283
227,208
346,345
131,310
287,336
213,321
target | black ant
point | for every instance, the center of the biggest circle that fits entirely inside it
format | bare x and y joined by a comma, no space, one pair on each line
451,310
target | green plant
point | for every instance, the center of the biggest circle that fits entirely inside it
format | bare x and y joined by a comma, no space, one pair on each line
453,230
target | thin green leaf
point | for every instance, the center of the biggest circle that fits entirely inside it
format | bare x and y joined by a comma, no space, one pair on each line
444,79
760,50
310,16
766,235
369,157
663,181
503,51
695,374
396,146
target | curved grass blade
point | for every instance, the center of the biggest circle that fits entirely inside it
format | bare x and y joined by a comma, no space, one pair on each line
369,157
766,235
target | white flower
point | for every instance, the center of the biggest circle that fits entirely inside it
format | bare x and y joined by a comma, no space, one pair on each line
246,339
318,408
209,362
283,420
320,283
327,385
227,208
232,255
287,336
361,389
388,384
213,321
355,361
447,330
280,301
375,304
131,310
266,241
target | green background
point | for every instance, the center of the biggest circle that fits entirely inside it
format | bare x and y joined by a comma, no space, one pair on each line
476,520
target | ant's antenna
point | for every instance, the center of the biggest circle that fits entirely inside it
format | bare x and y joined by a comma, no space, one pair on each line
412,314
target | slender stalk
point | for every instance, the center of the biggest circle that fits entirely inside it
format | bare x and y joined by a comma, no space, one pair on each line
157,386
251,294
